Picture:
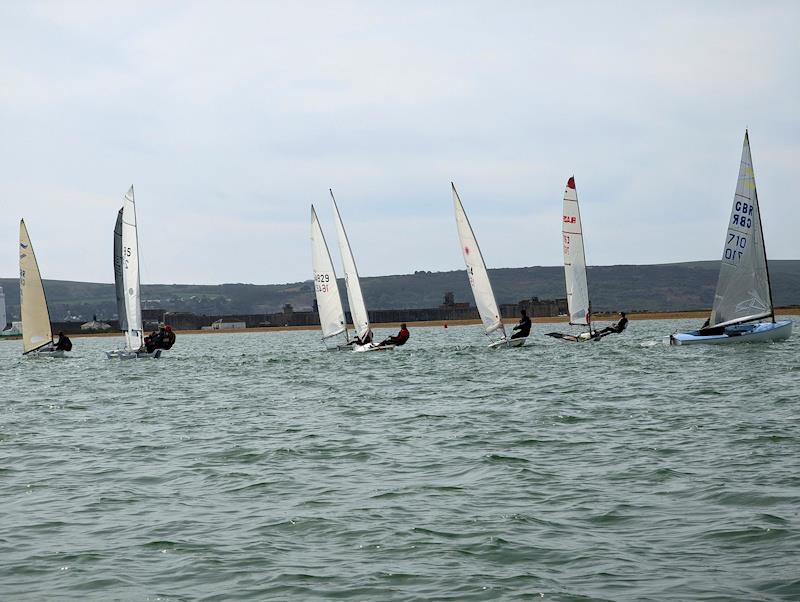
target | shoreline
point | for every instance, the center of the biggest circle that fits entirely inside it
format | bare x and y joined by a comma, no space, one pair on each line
662,315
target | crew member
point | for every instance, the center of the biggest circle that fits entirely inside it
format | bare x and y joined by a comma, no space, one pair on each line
400,339
524,326
163,339
64,344
616,328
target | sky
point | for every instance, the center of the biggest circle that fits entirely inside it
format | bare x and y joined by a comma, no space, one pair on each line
231,118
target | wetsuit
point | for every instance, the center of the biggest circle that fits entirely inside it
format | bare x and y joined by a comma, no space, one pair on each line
615,328
64,344
524,328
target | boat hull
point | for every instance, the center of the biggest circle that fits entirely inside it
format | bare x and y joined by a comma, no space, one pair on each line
508,343
372,347
759,332
580,338
55,353
124,354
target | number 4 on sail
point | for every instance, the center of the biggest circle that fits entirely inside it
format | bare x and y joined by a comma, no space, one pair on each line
744,296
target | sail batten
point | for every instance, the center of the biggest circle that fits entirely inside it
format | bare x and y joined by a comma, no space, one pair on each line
329,301
36,332
355,298
476,270
743,290
574,259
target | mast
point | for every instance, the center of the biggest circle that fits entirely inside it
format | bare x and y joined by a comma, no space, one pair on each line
761,232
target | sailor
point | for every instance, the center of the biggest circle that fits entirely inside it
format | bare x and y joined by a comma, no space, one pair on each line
616,328
524,326
359,341
64,344
163,339
400,339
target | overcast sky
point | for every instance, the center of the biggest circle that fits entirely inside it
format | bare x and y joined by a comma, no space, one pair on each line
230,118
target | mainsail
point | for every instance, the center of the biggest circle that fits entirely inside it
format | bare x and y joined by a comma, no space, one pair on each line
134,336
36,331
743,289
118,277
574,258
3,317
476,270
329,303
358,310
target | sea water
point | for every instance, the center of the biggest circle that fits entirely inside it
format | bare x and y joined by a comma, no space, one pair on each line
257,466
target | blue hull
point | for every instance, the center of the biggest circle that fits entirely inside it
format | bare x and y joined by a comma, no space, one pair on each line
757,332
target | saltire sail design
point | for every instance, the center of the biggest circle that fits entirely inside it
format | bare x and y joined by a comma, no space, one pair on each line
355,298
476,270
36,332
119,285
743,290
134,334
575,259
329,302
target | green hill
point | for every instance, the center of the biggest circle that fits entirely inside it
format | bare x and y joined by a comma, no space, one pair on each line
666,287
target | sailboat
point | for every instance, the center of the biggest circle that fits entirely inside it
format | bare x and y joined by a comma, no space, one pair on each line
578,304
329,302
355,298
743,298
37,337
127,285
479,279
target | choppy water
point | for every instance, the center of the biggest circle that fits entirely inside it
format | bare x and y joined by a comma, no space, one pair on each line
254,466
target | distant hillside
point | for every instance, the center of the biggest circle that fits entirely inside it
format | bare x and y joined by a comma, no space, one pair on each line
667,287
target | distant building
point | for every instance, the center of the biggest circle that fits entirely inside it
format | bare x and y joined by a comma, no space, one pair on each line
94,325
220,325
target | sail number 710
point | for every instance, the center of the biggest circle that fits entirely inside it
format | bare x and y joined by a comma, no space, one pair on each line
734,247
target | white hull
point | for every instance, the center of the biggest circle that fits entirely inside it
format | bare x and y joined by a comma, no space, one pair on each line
46,353
372,347
759,332
507,343
125,354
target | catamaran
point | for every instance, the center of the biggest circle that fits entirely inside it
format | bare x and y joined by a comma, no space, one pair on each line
479,280
578,304
743,298
355,298
127,285
329,302
37,336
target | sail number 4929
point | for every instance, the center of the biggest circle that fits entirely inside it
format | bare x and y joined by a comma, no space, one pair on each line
322,282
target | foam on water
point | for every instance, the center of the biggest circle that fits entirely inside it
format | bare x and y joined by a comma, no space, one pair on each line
256,466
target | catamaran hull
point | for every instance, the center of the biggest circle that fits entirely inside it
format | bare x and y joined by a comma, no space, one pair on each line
55,353
507,343
760,332
124,354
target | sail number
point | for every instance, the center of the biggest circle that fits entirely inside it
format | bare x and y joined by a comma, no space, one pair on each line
126,252
734,247
566,244
322,283
742,215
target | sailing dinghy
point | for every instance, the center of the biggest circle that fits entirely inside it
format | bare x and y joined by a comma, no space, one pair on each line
479,280
743,298
127,285
37,337
578,304
355,298
329,302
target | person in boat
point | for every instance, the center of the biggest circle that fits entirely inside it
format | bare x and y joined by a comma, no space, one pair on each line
359,341
524,326
616,328
163,339
400,339
64,344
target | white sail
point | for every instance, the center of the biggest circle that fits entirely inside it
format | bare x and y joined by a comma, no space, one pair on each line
329,302
743,289
36,331
358,310
476,270
134,337
574,258
3,316
119,285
